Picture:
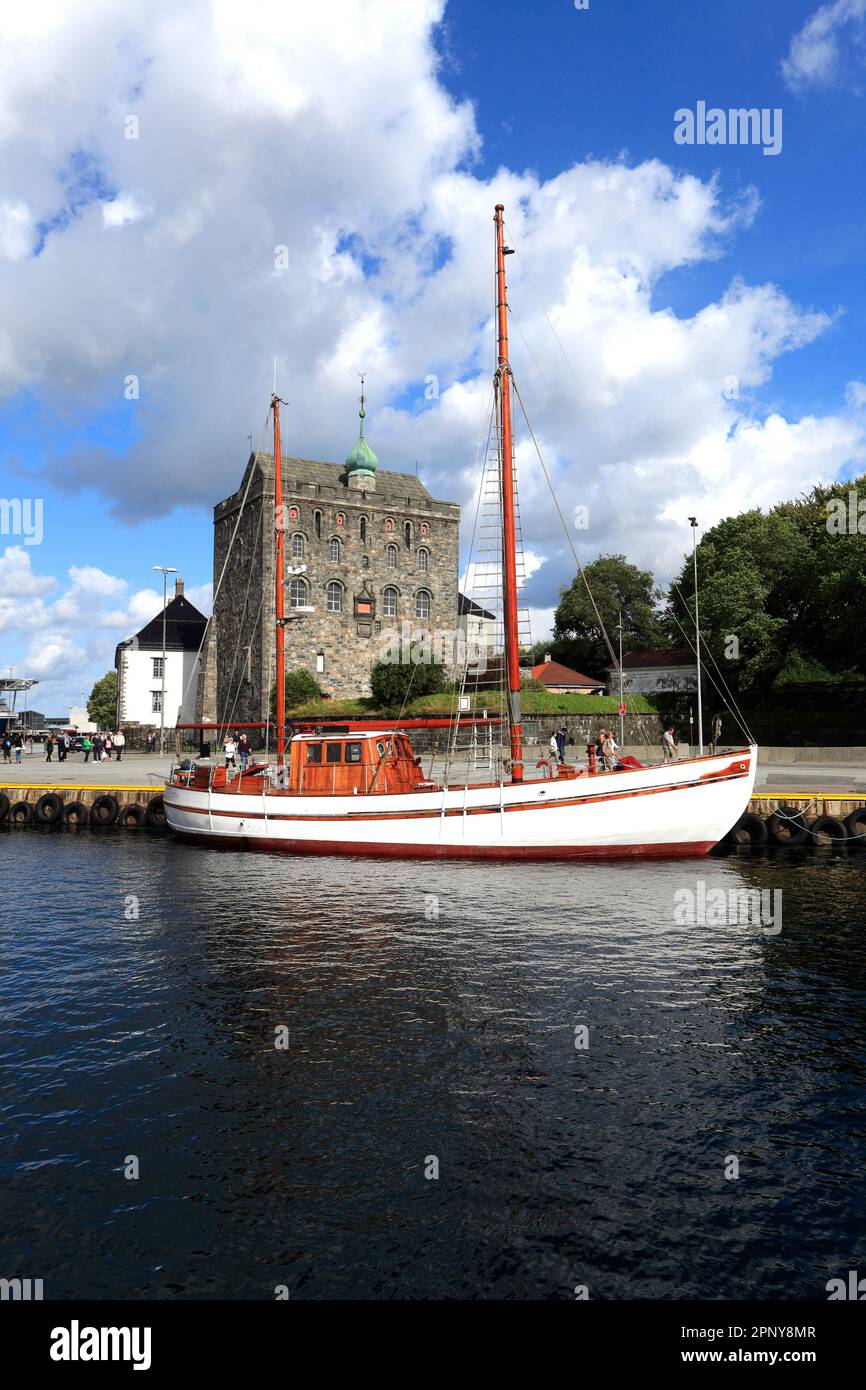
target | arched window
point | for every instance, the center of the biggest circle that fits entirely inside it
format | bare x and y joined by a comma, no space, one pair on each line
317,518
336,549
363,530
407,535
424,528
392,557
298,593
341,518
422,604
389,602
297,546
389,523
335,597
422,560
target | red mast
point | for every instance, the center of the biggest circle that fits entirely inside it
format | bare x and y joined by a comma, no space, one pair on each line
280,588
509,547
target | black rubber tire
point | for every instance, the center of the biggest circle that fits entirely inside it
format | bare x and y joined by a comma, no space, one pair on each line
21,813
749,830
103,811
4,807
155,813
827,830
855,824
787,826
131,817
75,813
49,809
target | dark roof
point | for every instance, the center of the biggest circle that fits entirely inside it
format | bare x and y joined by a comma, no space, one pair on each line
554,673
184,627
676,656
299,473
468,605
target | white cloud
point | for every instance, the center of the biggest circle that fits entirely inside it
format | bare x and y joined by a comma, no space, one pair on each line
121,211
855,394
818,52
16,231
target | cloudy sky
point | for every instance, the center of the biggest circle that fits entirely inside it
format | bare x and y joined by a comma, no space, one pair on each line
687,320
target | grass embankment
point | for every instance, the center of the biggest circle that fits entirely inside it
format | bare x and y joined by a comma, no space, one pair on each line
533,702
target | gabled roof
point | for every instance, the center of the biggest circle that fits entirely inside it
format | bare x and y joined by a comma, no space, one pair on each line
184,626
554,673
676,656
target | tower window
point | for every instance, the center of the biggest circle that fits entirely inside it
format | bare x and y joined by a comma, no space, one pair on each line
407,534
335,597
392,557
389,602
317,519
422,560
422,604
298,593
363,529
297,547
336,549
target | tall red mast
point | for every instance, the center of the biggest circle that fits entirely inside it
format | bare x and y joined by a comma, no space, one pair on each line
280,588
506,471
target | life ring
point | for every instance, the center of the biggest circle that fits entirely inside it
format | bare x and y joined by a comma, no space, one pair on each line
749,830
827,830
131,817
21,813
4,807
787,826
103,811
155,813
49,809
75,813
855,824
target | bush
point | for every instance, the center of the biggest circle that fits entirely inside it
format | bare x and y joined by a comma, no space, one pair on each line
300,687
391,683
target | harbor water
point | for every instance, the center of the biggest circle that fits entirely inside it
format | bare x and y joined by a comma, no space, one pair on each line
339,1079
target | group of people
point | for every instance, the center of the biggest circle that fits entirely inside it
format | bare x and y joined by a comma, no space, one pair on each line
237,746
100,745
12,743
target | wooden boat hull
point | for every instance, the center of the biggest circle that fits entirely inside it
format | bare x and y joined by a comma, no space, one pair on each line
670,811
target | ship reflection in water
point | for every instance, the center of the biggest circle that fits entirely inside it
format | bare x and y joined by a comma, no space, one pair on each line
436,1017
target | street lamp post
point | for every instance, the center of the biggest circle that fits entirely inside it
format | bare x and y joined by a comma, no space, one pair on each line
165,570
693,521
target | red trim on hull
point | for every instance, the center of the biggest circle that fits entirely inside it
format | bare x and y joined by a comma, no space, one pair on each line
503,853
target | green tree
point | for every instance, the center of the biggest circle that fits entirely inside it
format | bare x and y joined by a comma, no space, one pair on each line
392,683
617,587
300,687
102,704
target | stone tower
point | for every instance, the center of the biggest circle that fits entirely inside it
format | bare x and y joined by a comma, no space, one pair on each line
376,550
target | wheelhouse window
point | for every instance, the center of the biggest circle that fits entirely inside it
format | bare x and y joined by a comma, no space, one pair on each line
353,752
392,557
297,547
314,752
298,593
389,603
336,549
335,597
422,604
334,752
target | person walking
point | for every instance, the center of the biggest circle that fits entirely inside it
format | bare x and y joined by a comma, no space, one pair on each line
87,747
61,747
669,746
561,741
230,748
717,734
49,748
151,741
120,743
608,751
244,750
553,749
18,745
107,746
96,747
7,748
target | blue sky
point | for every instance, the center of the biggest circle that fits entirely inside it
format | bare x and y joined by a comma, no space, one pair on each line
123,256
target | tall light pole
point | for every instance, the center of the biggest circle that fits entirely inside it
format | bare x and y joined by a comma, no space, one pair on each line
165,570
693,521
621,719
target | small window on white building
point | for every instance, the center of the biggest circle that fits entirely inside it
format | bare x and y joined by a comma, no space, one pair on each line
157,668
156,701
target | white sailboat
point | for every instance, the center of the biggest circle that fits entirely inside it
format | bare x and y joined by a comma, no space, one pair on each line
364,792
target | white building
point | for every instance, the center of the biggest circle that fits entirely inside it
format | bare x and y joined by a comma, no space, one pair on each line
138,662
671,672
476,626
80,720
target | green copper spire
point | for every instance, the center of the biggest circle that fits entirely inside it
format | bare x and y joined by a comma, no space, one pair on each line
361,458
